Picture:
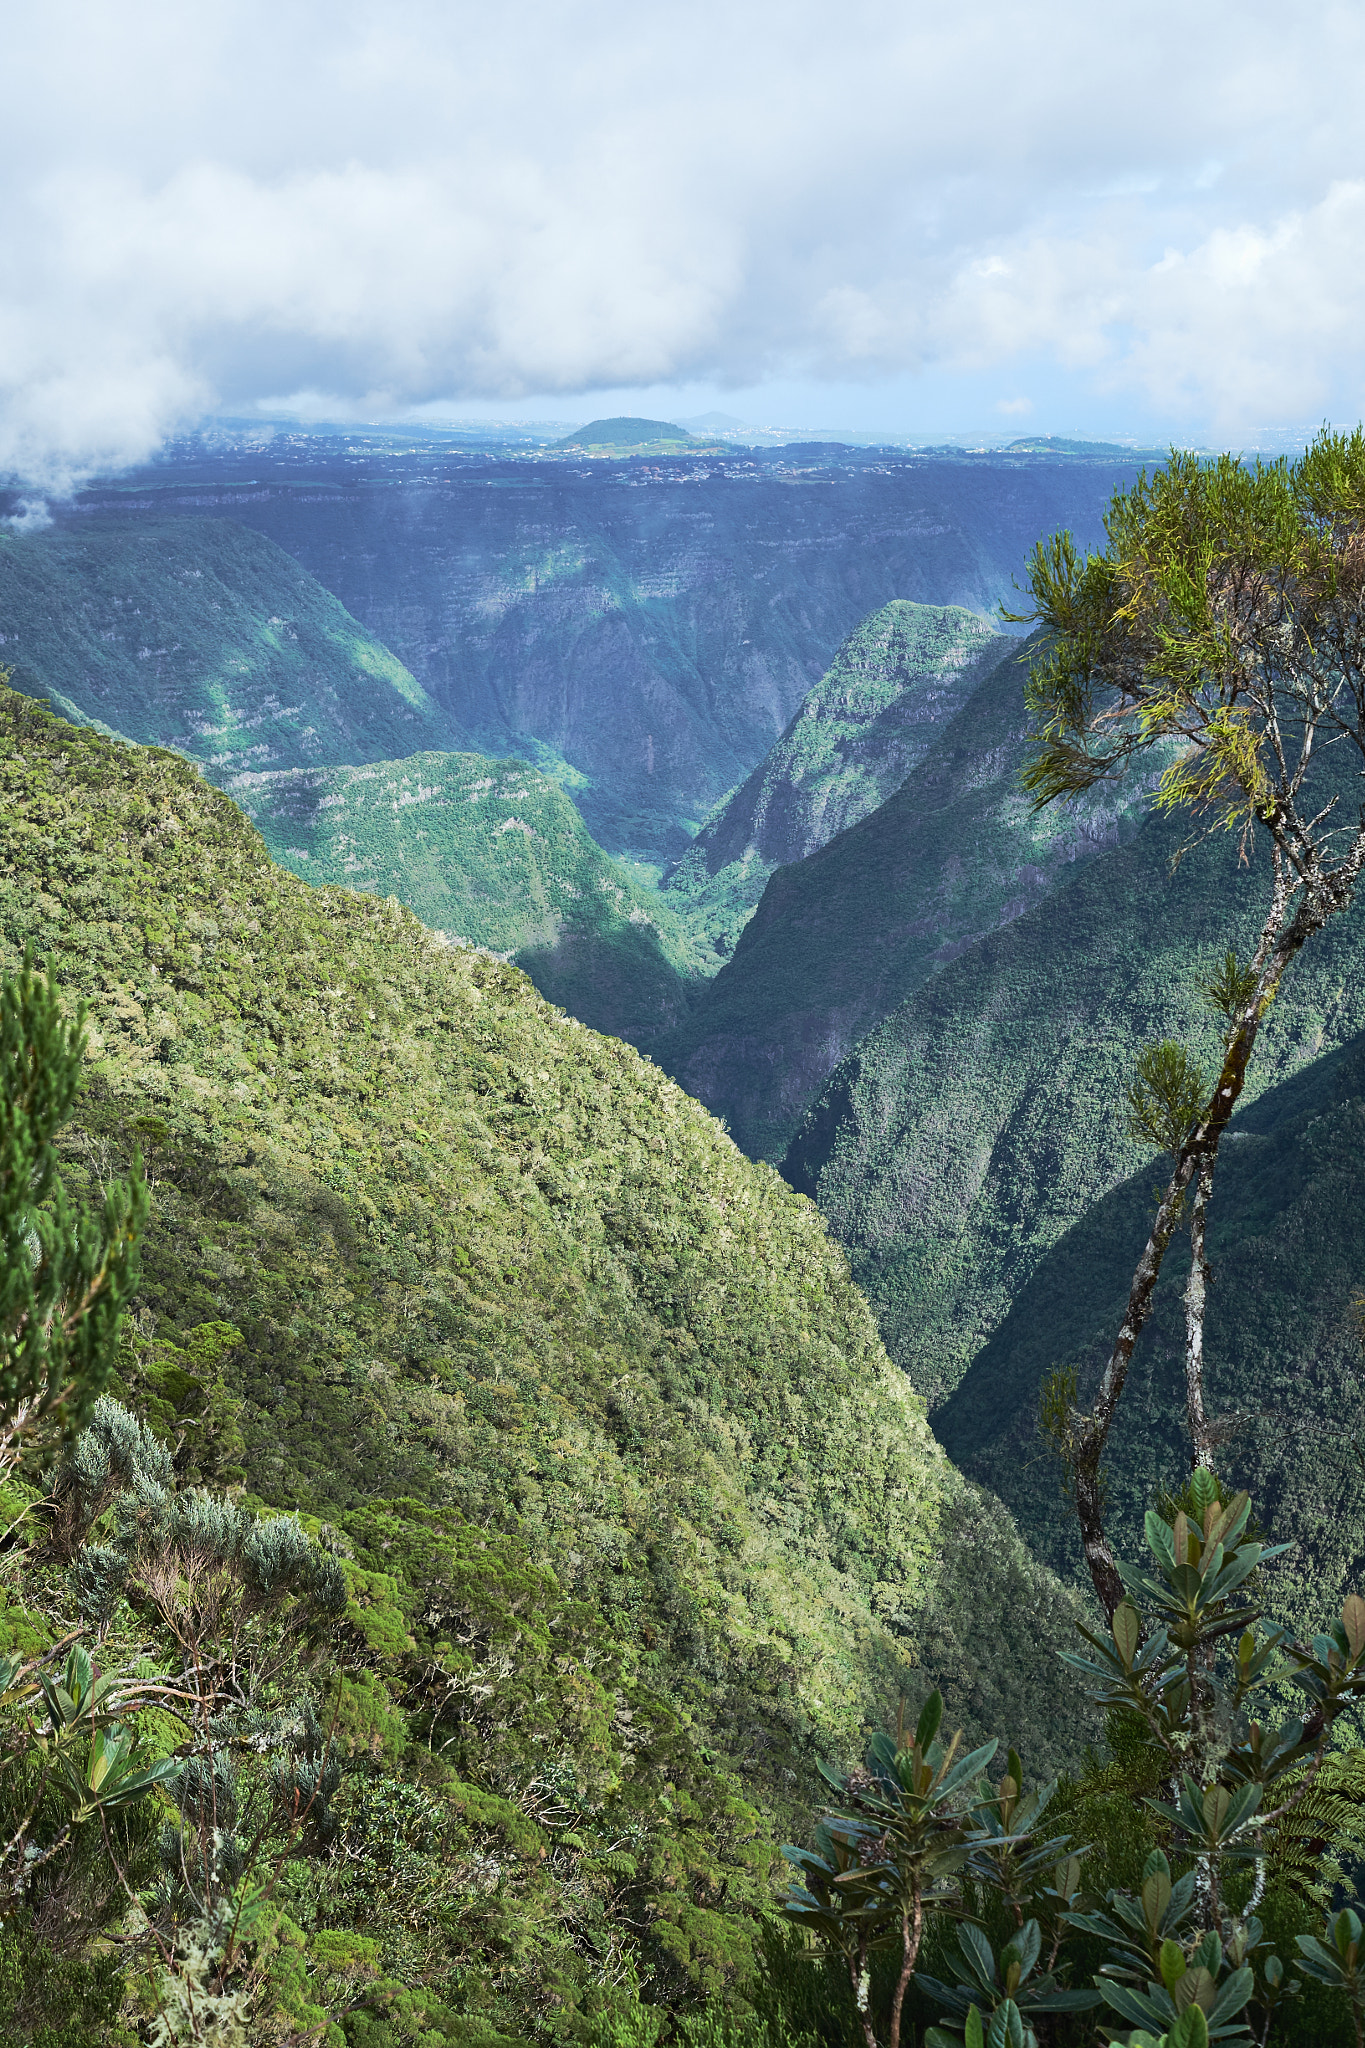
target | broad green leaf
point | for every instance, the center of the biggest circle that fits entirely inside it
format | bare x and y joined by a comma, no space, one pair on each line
1234,1994
1127,1632
1353,1621
1006,2028
930,1720
962,1773
1191,2030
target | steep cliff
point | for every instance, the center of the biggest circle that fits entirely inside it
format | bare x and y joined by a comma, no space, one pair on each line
488,1264
654,625
894,684
208,638
843,937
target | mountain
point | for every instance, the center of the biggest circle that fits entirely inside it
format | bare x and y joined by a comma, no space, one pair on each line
897,679
983,1115
492,852
206,637
843,937
1283,1341
496,1275
630,437
653,627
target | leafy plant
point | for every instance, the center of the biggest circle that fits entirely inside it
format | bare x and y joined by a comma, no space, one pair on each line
65,1274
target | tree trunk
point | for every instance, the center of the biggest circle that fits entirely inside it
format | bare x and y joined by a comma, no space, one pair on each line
912,1927
1196,1162
1196,1300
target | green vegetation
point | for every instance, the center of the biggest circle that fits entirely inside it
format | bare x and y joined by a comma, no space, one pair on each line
634,437
652,626
1287,1246
893,685
843,938
204,636
1223,618
984,1116
64,1277
1186,1905
494,853
636,1519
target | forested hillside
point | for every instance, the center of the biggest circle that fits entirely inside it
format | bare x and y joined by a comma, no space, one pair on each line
208,638
843,937
493,852
893,685
489,1296
1287,1244
984,1115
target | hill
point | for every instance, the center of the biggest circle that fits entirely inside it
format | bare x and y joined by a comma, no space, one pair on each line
494,853
521,1323
206,637
841,939
630,436
655,629
897,679
1283,1341
982,1116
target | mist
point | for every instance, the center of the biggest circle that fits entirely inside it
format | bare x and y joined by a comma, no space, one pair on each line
1140,212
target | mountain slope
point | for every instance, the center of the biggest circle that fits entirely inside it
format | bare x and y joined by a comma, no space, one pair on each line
495,853
206,637
983,1116
840,939
654,627
896,681
1283,1340
486,1261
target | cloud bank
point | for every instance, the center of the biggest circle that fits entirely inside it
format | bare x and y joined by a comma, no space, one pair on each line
390,205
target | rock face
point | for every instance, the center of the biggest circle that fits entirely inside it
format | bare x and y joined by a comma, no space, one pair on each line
654,626
894,684
841,938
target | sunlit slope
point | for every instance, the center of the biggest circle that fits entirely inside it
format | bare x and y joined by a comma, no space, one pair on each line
894,684
982,1117
201,635
492,852
487,1260
1283,1342
843,937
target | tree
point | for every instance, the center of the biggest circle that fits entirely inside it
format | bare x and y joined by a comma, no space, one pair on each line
65,1273
1226,615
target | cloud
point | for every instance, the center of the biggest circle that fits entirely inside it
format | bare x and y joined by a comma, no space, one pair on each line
391,205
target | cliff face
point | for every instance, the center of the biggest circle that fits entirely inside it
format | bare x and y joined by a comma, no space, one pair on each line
207,638
655,627
896,681
494,1272
843,937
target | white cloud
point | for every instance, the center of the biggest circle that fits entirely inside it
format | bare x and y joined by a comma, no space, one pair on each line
393,204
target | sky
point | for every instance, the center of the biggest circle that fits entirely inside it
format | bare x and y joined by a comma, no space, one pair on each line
1079,216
